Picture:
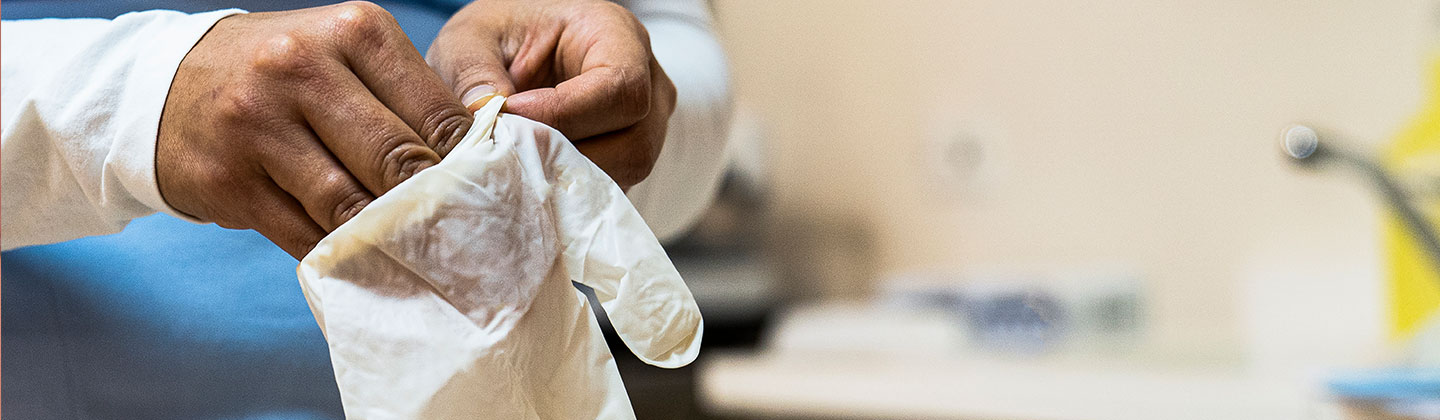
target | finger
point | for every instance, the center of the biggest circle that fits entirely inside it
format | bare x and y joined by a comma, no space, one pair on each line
610,89
373,144
383,58
307,171
282,220
628,155
473,64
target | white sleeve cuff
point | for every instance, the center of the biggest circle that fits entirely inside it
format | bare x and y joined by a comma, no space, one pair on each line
131,161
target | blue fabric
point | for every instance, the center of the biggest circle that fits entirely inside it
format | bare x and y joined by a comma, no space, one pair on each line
167,320
421,19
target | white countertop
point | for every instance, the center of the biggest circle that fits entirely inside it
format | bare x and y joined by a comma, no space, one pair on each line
811,369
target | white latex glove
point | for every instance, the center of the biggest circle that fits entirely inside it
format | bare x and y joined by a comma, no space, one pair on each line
450,297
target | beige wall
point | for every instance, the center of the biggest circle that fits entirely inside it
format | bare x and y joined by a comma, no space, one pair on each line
1138,133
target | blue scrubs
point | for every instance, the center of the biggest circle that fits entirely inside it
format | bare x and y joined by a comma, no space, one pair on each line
168,319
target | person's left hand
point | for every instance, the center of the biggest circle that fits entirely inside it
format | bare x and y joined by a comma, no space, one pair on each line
581,66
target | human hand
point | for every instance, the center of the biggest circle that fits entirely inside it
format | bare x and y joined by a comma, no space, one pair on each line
290,122
581,66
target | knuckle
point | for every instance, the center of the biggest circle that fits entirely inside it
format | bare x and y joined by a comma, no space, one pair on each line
616,16
633,95
345,200
671,96
445,127
242,106
605,8
402,156
640,30
362,18
285,55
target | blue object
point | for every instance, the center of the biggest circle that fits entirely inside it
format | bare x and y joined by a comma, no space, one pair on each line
1388,384
168,319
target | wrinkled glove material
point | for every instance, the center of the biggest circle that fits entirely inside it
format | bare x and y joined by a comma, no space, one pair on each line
450,296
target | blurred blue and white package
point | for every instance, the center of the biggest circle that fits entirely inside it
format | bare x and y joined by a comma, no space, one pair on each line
450,297
1010,312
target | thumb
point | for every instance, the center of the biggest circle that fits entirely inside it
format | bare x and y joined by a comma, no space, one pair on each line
475,74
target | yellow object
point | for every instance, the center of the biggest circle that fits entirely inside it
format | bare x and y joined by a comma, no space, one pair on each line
1414,281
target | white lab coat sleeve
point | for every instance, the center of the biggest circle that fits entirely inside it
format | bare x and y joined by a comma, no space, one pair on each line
81,110
692,163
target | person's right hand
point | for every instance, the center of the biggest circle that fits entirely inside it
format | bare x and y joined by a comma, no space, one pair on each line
289,123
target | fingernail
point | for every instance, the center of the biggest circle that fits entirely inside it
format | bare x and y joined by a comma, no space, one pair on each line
476,97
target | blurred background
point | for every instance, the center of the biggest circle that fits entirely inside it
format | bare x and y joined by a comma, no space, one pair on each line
1047,210
1081,210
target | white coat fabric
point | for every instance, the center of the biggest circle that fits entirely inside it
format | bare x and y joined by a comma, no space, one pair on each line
450,296
81,111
